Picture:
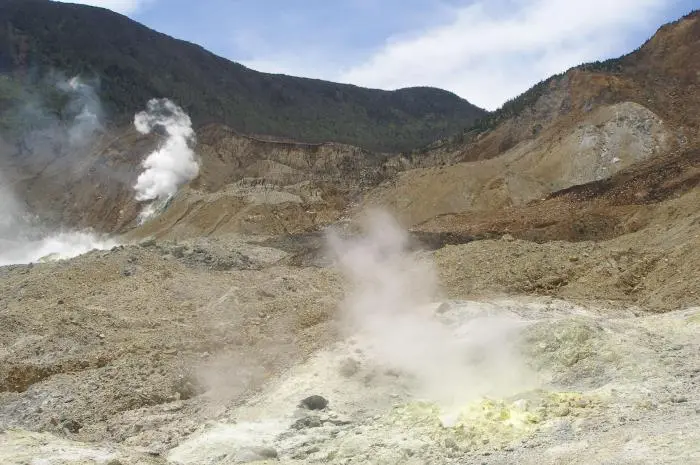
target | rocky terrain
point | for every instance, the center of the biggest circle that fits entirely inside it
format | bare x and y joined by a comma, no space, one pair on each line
537,300
201,352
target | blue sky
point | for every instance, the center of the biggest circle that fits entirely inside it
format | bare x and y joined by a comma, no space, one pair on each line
486,51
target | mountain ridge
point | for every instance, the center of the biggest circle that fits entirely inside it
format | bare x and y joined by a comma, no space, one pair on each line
643,110
135,63
623,65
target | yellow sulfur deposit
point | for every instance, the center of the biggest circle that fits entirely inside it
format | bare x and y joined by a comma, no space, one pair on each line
49,258
694,319
492,423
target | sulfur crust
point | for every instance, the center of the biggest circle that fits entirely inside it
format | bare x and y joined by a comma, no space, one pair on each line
493,423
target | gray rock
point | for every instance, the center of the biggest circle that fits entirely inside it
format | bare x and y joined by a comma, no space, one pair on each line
266,452
254,454
148,242
451,444
178,251
314,402
443,308
71,425
307,422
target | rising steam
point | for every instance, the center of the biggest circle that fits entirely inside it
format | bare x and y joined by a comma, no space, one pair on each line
171,165
86,107
389,304
25,238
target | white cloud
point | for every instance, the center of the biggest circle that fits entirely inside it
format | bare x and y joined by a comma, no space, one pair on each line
494,50
120,6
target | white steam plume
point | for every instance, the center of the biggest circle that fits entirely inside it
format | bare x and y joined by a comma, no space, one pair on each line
171,165
389,306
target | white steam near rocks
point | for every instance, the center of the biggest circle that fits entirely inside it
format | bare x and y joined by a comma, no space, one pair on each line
23,237
391,303
53,246
174,163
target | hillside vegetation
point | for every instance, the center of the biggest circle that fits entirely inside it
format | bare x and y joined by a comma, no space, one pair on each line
134,63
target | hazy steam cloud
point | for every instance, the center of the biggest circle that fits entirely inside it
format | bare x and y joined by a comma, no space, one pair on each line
24,238
87,109
174,163
55,246
56,133
391,305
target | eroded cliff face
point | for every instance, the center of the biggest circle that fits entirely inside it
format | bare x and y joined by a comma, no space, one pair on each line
254,186
228,157
285,185
610,139
91,187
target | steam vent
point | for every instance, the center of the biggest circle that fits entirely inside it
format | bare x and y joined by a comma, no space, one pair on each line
451,255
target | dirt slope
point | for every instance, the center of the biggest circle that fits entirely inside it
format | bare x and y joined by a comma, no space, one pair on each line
610,139
588,158
262,179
